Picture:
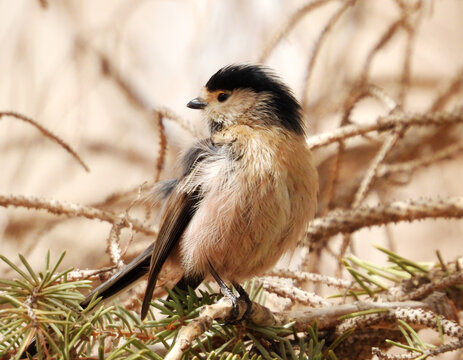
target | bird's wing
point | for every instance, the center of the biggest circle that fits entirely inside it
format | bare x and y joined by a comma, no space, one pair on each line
177,215
179,210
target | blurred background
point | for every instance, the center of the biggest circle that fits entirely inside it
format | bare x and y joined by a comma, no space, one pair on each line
95,73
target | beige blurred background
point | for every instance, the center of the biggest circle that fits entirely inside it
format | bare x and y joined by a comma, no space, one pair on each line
91,71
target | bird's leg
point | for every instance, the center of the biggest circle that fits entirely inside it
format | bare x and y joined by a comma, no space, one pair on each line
226,291
244,296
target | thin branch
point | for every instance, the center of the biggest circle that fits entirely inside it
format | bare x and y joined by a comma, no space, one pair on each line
386,123
114,248
370,175
453,88
383,41
349,221
447,153
220,310
48,134
171,115
162,147
455,345
314,278
326,317
293,20
442,282
86,274
318,44
109,69
291,292
72,210
406,66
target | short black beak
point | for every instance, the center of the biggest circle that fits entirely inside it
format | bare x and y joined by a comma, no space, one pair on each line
197,104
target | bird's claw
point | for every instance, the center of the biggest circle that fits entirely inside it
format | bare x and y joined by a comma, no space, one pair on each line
238,303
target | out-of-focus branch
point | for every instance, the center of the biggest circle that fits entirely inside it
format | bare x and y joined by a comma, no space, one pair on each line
72,210
349,221
293,293
386,123
318,44
447,153
315,278
288,26
113,248
48,134
110,70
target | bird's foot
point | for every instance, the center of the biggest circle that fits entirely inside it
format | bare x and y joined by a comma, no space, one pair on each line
244,297
238,312
241,304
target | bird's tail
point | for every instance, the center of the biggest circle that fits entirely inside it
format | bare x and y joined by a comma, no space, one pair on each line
126,277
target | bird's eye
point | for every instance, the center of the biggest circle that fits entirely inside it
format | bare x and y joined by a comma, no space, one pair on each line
222,97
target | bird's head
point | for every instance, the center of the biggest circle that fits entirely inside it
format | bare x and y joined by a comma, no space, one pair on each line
251,95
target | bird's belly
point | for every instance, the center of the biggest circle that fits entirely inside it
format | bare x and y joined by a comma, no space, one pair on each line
241,233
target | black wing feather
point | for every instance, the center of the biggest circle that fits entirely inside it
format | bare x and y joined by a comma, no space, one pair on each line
179,210
178,213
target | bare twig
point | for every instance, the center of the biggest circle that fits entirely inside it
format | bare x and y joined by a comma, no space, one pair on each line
430,320
383,41
114,248
48,134
452,346
368,179
326,317
86,274
291,292
162,147
386,123
440,283
349,221
71,210
289,26
447,153
315,278
453,88
109,69
318,44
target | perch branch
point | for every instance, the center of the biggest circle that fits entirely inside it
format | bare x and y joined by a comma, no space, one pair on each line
262,316
190,332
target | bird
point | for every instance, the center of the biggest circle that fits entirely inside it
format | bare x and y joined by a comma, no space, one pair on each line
245,194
